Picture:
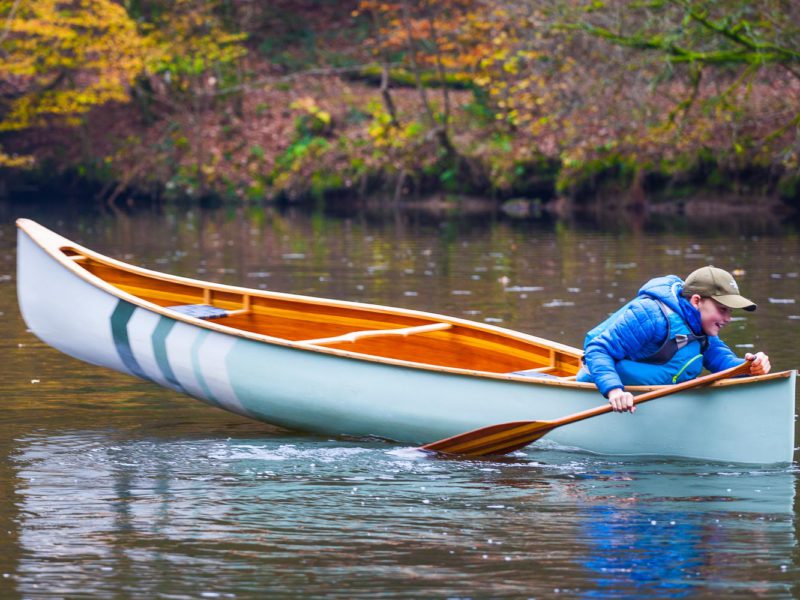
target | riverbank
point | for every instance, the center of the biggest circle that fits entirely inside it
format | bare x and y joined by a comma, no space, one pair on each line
332,138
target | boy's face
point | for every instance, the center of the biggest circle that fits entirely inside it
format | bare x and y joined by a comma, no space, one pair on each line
713,315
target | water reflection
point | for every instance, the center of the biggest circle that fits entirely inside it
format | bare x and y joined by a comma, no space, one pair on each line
666,531
102,512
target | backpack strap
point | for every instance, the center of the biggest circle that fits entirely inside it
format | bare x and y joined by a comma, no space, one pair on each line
672,344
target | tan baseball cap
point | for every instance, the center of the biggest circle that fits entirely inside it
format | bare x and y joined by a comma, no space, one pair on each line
711,282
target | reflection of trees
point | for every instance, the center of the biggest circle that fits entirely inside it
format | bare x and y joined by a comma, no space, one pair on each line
794,561
88,522
10,490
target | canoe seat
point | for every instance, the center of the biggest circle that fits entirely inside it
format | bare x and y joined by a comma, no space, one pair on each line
535,373
200,311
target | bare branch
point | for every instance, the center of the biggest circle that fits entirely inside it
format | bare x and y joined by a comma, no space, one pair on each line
7,28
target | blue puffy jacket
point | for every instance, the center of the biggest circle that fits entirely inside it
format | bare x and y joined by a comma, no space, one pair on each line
641,330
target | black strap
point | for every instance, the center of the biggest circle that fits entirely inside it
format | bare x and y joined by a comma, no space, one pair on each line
672,345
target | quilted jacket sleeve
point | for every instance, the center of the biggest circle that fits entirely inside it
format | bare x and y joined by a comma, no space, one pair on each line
636,333
718,356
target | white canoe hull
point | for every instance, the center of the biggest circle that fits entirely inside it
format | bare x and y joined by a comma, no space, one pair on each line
326,392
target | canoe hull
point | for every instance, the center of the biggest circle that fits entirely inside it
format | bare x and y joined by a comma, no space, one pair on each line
301,389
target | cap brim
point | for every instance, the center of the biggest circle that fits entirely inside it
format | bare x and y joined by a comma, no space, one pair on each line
734,301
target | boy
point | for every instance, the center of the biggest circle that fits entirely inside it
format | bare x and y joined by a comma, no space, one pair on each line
667,334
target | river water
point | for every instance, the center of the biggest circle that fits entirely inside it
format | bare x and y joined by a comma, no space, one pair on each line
111,487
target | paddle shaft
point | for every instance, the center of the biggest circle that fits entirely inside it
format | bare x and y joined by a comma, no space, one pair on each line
647,396
507,437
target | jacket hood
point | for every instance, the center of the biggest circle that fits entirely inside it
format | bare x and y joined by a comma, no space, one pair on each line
668,289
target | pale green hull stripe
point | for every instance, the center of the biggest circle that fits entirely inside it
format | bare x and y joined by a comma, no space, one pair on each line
198,372
119,332
159,338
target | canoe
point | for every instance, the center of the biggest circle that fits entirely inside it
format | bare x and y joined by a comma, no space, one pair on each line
347,368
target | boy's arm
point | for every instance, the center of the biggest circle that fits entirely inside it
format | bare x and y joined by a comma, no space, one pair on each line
635,327
718,356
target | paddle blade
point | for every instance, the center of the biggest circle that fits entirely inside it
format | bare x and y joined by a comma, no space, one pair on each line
494,439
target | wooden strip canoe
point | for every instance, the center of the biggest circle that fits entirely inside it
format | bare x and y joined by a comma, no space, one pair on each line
347,368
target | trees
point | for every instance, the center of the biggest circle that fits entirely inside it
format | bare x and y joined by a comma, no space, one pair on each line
61,59
731,67
492,88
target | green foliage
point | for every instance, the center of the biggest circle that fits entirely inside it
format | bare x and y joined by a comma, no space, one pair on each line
449,178
257,189
300,157
399,77
187,42
578,178
313,121
257,152
323,181
291,47
789,189
480,108
184,182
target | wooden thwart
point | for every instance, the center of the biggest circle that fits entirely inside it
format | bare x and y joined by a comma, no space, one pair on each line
354,336
208,298
242,311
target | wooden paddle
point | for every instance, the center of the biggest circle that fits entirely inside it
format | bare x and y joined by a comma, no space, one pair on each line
507,437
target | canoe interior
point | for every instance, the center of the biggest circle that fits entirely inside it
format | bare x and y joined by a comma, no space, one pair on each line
455,344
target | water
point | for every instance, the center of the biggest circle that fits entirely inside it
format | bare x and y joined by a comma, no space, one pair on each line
112,487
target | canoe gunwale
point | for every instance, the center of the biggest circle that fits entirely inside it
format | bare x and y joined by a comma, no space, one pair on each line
68,255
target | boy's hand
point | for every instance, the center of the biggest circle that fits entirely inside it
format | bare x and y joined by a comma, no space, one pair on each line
621,401
760,364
